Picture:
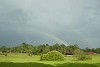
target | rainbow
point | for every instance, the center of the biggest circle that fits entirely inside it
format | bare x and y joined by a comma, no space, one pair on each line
52,36
55,38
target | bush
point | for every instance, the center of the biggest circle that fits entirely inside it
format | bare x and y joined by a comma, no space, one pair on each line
80,55
52,56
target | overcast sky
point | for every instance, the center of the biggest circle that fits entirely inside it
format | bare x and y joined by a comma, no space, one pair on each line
50,21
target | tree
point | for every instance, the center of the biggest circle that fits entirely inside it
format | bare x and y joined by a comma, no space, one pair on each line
63,49
3,49
56,47
70,49
36,50
0,50
46,49
29,50
87,49
98,50
80,55
25,48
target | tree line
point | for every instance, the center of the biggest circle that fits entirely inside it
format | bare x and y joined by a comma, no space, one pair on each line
45,48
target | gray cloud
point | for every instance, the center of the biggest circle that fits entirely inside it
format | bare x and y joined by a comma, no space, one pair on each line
43,21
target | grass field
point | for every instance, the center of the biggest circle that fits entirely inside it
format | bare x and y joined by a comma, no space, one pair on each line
23,60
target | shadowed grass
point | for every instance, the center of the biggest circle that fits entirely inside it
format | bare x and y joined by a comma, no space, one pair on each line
78,65
10,64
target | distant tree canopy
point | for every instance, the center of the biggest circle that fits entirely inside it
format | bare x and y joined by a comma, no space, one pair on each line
45,48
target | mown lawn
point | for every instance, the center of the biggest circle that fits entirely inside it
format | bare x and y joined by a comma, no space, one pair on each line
23,60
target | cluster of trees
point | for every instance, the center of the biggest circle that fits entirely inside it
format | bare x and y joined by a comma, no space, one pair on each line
45,48
95,50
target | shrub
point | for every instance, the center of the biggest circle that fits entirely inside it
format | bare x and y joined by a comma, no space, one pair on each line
52,56
80,55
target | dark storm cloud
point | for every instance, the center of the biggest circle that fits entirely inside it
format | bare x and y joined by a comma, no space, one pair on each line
50,21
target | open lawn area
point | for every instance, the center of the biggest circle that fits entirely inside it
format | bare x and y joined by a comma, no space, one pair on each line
23,60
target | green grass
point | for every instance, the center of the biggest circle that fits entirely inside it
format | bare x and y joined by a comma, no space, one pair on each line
23,60
18,58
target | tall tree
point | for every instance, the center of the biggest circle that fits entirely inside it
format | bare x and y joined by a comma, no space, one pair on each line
71,48
63,49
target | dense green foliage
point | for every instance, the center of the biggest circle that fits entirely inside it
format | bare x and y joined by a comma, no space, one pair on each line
52,56
45,48
80,55
39,49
